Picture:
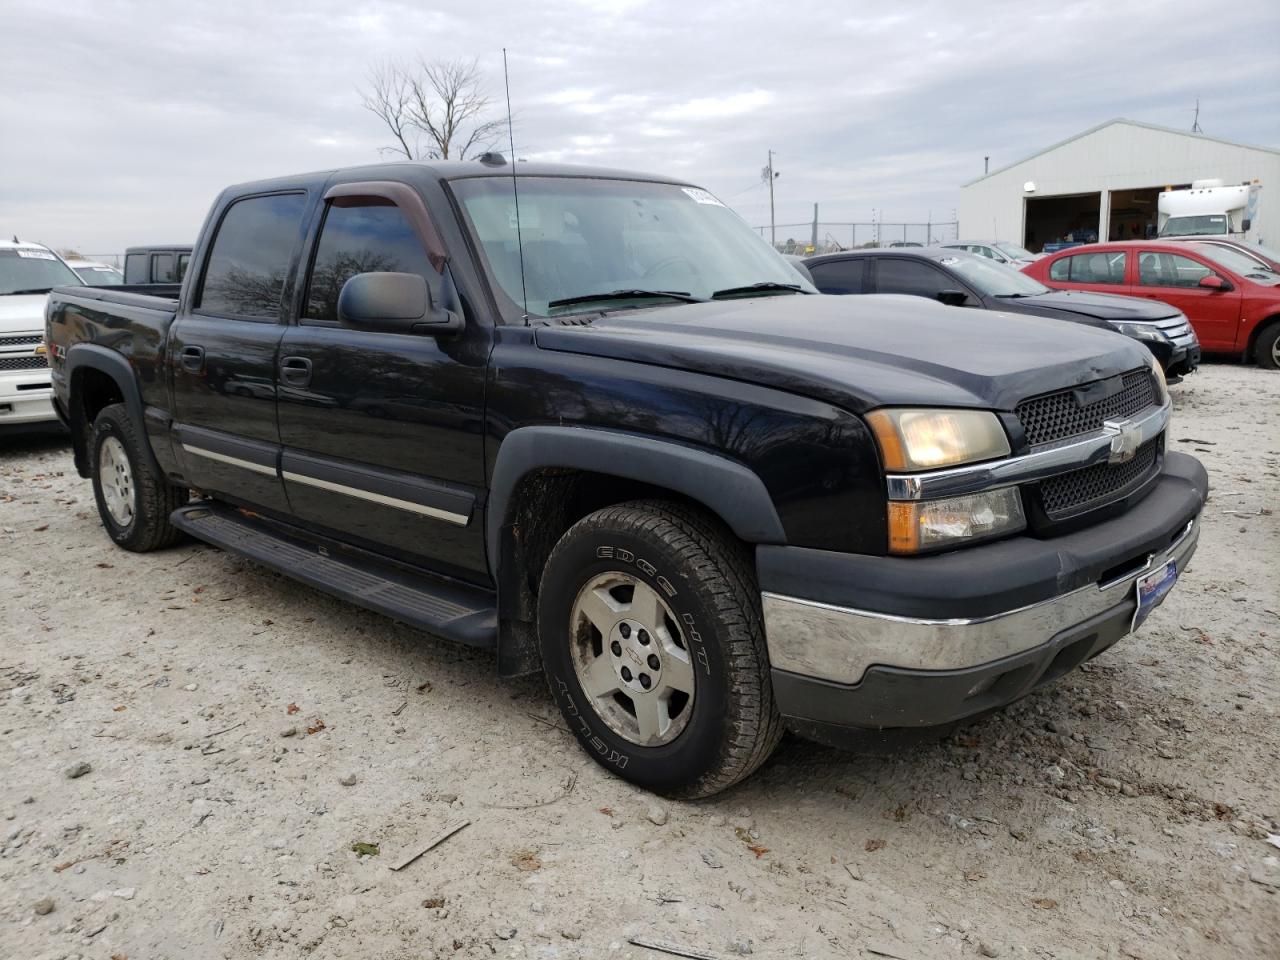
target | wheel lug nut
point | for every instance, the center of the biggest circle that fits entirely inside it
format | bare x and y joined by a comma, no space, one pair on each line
643,637
616,647
645,681
625,630
626,674
654,662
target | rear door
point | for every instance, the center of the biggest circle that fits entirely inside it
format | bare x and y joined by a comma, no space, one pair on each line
222,351
1174,278
1102,271
382,432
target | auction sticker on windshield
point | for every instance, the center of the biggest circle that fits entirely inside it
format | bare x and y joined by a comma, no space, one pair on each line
1151,590
36,255
702,196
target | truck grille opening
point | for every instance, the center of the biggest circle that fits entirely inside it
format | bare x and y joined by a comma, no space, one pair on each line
1061,415
23,363
26,339
1080,490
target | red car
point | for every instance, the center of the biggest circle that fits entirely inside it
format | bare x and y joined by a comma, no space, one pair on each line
1232,301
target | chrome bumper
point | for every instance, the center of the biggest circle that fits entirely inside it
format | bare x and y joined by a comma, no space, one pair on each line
839,643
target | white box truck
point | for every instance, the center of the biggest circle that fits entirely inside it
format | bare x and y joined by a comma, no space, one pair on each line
1211,208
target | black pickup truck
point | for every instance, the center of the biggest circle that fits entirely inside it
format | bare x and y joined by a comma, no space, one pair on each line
602,428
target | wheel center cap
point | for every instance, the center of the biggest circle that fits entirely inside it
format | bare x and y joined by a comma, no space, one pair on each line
636,660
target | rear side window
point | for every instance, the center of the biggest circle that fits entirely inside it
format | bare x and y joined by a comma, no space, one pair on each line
1090,268
911,277
368,236
839,276
184,260
249,263
135,268
162,269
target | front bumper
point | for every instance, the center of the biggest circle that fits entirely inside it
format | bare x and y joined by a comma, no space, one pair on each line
26,398
885,642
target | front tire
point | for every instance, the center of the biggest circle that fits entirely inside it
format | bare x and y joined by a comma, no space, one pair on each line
652,640
134,500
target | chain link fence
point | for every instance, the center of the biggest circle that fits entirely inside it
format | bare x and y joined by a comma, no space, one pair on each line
821,236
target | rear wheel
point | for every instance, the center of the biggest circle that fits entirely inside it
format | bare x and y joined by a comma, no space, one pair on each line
134,500
1266,349
651,636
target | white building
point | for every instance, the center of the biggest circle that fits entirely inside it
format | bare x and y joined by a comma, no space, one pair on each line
1107,179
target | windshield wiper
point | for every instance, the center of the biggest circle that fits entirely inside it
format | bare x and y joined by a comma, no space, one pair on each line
626,295
763,287
14,293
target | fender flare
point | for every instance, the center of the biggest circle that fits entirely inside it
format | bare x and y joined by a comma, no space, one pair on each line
93,356
727,488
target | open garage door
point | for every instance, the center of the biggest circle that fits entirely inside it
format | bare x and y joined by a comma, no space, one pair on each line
1132,213
1053,219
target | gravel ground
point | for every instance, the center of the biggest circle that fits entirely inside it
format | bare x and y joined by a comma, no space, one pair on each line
192,745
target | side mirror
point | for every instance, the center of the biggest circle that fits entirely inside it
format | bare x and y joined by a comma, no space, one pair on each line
393,303
953,298
1216,283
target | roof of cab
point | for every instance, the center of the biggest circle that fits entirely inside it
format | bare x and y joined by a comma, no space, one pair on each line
15,244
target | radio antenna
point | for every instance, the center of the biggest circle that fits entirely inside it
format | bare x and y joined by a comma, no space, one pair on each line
515,189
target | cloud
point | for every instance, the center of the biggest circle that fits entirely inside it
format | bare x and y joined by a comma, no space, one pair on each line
128,118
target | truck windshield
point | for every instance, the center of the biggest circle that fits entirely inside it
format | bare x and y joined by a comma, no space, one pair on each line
32,271
583,237
1202,226
995,279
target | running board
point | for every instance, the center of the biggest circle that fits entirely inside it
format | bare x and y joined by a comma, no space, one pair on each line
445,608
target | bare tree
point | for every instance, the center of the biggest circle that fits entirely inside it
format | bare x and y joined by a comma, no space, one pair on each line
434,111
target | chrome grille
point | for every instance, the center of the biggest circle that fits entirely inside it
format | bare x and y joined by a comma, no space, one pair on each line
25,340
1080,490
1060,415
23,363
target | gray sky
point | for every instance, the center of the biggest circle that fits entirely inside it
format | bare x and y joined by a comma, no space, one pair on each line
121,121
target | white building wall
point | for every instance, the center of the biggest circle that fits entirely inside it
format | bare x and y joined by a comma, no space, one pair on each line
1120,155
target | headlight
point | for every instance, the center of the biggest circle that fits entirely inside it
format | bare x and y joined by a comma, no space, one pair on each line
1139,331
920,525
1162,383
927,439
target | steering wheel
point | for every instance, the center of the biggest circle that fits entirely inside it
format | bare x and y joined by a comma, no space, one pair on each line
668,261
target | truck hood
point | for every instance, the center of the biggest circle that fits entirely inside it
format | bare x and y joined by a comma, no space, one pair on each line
860,352
22,313
1100,306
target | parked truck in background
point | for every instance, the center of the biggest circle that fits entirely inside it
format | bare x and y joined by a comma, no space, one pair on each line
603,429
1210,208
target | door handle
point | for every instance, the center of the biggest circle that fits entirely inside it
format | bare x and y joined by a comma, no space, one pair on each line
192,359
295,371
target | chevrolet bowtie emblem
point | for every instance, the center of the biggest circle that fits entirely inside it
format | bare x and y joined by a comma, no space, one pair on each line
1125,440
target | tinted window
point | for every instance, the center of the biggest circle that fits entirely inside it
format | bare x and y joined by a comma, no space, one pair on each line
838,276
374,237
1090,268
911,277
135,268
162,270
1170,270
250,258
184,259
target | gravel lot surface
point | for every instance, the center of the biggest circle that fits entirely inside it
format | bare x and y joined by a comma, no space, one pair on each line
192,745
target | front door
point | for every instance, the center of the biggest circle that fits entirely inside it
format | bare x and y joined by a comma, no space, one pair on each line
222,351
1175,279
382,432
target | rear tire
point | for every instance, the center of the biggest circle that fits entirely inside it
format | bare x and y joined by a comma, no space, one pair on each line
134,500
681,701
1266,349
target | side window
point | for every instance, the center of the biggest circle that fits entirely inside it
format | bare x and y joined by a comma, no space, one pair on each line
1170,270
370,236
249,262
162,270
895,275
135,268
1090,268
839,276
184,260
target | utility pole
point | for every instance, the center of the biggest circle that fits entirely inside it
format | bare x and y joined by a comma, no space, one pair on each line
768,174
